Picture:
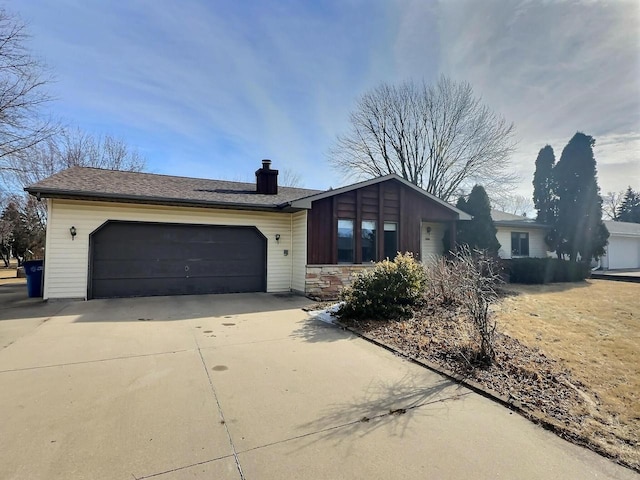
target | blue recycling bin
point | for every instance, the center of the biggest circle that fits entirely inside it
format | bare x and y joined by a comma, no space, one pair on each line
33,269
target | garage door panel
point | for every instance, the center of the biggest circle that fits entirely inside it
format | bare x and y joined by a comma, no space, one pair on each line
140,269
138,259
624,253
175,286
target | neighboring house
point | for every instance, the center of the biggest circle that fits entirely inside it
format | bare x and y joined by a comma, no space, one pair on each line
623,250
519,236
523,237
122,234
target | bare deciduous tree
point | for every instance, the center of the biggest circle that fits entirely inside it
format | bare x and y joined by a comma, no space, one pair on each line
441,138
70,149
22,91
514,204
611,204
65,150
291,178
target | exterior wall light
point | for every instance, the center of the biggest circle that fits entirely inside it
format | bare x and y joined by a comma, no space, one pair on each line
73,232
277,237
428,233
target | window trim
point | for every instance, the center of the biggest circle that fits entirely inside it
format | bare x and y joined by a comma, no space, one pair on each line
520,255
396,230
375,240
353,241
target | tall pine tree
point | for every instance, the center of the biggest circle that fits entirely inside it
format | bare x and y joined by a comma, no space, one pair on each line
629,210
544,197
579,227
480,232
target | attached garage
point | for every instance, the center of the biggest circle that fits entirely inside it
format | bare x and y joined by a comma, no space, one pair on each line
129,259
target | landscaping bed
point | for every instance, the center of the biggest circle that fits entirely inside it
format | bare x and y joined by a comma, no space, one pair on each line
555,357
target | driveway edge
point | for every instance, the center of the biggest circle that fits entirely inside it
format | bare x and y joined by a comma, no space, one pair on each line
509,402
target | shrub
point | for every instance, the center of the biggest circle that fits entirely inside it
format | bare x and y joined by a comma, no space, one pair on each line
545,270
391,289
466,283
479,276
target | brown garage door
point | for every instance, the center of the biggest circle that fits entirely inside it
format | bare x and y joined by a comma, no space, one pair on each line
132,259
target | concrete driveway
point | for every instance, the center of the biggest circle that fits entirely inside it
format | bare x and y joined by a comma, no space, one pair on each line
243,386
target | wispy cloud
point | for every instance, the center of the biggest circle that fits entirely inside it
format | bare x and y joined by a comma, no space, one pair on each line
209,89
553,68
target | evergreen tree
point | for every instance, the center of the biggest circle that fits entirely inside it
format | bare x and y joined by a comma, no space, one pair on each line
544,198
480,232
579,227
629,209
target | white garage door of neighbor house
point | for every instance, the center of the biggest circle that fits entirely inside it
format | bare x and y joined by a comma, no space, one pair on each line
624,253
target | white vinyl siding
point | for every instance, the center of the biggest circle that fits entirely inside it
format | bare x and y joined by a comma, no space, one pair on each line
67,260
431,245
298,250
537,246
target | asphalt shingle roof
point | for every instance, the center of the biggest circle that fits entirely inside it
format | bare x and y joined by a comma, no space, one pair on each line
84,182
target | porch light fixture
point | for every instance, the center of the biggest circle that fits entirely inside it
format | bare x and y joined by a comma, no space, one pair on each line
277,237
428,233
73,232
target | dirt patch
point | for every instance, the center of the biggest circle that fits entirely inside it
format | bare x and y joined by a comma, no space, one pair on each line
568,353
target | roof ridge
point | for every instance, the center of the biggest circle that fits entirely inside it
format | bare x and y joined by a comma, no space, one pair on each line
166,175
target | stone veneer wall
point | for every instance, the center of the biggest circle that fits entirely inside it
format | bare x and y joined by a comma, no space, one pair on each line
324,282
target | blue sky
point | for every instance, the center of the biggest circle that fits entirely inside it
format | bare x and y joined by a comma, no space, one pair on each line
208,88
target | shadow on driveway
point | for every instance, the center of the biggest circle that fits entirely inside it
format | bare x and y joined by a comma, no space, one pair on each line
183,307
15,304
392,400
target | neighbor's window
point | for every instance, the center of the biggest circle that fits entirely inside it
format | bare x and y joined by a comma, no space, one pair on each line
368,241
390,240
519,244
345,241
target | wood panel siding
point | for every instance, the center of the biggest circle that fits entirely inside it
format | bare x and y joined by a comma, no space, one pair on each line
370,205
346,205
391,201
320,241
388,201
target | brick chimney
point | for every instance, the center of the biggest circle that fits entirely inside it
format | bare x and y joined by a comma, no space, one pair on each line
267,179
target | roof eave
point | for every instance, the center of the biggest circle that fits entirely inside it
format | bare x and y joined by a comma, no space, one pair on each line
75,195
305,202
520,224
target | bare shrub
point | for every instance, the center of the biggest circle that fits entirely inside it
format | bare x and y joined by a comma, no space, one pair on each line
479,277
442,282
468,281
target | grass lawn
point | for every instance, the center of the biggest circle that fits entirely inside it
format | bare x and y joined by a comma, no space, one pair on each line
593,328
8,276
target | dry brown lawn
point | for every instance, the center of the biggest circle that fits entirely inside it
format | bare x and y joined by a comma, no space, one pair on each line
8,275
594,329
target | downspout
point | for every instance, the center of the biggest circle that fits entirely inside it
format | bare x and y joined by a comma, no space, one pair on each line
47,243
291,251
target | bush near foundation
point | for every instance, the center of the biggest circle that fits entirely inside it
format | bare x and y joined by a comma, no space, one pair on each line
390,290
545,270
